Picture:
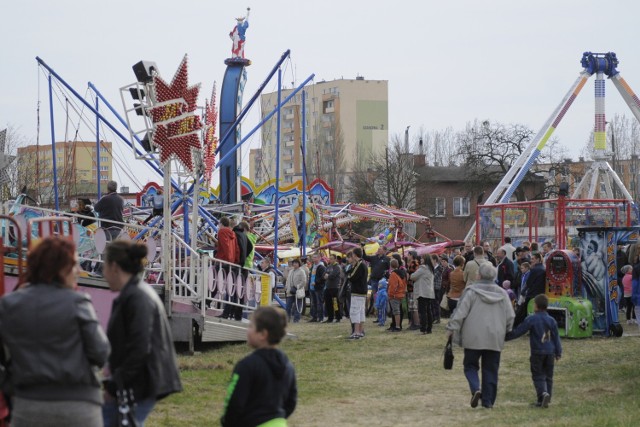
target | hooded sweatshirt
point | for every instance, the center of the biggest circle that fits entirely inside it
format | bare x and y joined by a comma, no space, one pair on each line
482,318
262,388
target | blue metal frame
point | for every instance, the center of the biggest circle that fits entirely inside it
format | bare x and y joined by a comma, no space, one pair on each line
53,147
229,94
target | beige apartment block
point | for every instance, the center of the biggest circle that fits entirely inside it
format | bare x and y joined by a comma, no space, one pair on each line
76,167
346,119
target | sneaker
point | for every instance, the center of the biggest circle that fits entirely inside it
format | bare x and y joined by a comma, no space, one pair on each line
435,322
414,327
337,321
546,398
477,395
396,330
381,324
353,337
535,404
312,321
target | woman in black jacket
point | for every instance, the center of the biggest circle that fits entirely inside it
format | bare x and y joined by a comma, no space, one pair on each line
142,357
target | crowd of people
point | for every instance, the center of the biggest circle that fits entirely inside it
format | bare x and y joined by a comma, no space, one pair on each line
88,370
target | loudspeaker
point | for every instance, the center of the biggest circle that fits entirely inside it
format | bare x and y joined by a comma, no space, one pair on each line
564,189
144,71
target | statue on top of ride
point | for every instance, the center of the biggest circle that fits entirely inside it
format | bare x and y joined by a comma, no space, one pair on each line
238,35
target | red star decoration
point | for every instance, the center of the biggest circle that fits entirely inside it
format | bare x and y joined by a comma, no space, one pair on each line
210,140
178,88
179,146
178,101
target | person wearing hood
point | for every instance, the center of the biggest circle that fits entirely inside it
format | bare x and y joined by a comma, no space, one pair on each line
263,389
479,324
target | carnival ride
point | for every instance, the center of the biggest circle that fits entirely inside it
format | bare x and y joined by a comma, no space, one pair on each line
165,131
592,219
600,172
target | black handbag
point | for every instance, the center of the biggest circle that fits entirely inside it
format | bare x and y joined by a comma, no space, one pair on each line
126,408
448,354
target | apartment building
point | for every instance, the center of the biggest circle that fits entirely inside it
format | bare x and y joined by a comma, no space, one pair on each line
76,169
345,119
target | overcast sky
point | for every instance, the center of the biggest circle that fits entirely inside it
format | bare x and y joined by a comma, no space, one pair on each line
447,62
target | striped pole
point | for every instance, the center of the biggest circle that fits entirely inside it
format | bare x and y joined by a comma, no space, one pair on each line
599,131
545,133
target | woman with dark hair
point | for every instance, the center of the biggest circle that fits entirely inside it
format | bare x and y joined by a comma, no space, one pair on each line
143,358
55,341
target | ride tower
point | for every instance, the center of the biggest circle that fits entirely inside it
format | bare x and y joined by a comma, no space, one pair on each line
600,172
235,78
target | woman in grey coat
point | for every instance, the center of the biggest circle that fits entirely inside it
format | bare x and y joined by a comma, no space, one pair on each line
424,293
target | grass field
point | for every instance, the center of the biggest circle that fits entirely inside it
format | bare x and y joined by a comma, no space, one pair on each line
397,379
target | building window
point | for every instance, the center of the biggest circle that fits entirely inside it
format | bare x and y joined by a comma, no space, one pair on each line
437,207
104,159
461,206
327,106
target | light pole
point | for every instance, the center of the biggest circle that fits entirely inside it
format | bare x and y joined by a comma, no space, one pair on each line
386,155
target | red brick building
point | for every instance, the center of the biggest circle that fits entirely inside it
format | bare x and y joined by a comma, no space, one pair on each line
448,196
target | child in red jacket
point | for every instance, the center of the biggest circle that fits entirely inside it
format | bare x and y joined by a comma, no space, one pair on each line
396,290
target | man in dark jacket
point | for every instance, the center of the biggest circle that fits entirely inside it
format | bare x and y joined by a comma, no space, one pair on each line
110,207
379,264
535,285
316,288
332,278
505,267
357,276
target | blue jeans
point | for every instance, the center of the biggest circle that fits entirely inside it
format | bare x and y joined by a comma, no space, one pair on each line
317,304
490,366
542,373
110,411
293,304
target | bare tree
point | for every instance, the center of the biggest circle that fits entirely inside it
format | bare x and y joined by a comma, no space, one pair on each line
13,140
490,149
386,177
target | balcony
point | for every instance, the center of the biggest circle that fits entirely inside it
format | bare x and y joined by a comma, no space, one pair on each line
289,171
289,143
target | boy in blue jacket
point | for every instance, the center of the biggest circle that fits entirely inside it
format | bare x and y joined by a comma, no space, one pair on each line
382,299
545,347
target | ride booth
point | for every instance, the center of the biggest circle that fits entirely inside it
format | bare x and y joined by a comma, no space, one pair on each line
598,249
572,311
584,293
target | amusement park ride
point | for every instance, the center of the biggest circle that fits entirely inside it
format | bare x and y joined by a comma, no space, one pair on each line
166,131
591,220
